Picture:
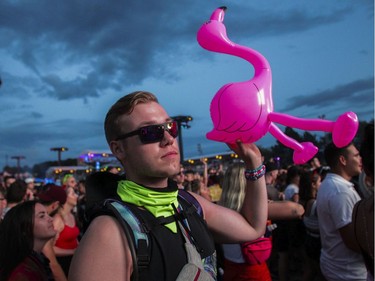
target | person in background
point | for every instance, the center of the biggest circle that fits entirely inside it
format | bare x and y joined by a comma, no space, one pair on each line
53,198
309,185
212,181
204,175
215,174
179,178
81,204
67,229
70,181
289,234
30,189
3,203
363,211
234,190
272,172
199,187
280,183
25,230
291,191
366,177
188,179
340,258
315,164
15,194
81,190
8,180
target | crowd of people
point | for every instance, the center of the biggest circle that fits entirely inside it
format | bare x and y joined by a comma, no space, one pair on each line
59,205
256,220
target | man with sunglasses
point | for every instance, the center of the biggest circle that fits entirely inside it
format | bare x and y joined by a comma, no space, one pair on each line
142,136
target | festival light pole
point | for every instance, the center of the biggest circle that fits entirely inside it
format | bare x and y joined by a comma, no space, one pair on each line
18,158
182,121
59,150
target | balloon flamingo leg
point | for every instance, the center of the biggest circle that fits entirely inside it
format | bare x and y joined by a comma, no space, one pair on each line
244,110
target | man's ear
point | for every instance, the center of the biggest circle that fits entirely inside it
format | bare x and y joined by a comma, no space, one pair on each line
342,160
117,149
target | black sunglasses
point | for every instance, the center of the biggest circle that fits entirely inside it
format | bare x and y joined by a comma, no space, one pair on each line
153,133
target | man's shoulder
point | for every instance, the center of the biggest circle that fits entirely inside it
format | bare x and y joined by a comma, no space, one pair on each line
332,178
103,224
334,183
104,233
103,251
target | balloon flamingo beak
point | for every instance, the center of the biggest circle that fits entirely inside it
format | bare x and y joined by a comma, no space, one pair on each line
218,14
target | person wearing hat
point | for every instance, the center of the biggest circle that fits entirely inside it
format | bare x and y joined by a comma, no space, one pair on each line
53,197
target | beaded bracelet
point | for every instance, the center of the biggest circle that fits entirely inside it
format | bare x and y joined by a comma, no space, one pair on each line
253,175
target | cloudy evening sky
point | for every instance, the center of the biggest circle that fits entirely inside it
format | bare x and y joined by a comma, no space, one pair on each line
64,63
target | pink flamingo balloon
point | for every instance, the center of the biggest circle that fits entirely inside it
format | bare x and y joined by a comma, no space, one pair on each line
244,110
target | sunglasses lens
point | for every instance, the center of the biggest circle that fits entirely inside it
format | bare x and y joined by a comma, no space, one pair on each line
172,128
155,133
150,134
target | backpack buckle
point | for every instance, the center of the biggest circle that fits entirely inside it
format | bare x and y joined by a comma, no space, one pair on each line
143,259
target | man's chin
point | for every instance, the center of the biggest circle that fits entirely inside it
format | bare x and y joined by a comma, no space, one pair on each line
174,170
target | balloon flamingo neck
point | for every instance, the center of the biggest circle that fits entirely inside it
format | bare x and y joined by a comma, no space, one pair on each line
212,36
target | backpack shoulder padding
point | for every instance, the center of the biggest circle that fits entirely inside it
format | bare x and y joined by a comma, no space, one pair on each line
135,234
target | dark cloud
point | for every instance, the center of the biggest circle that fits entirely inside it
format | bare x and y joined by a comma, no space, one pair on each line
79,87
123,42
36,115
268,22
357,92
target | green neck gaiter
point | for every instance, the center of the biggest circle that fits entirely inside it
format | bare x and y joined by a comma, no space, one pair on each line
159,203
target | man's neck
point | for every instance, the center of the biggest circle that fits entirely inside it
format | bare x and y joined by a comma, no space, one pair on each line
151,182
342,174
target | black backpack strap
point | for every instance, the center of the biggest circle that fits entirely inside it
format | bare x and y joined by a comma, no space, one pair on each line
185,195
137,237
